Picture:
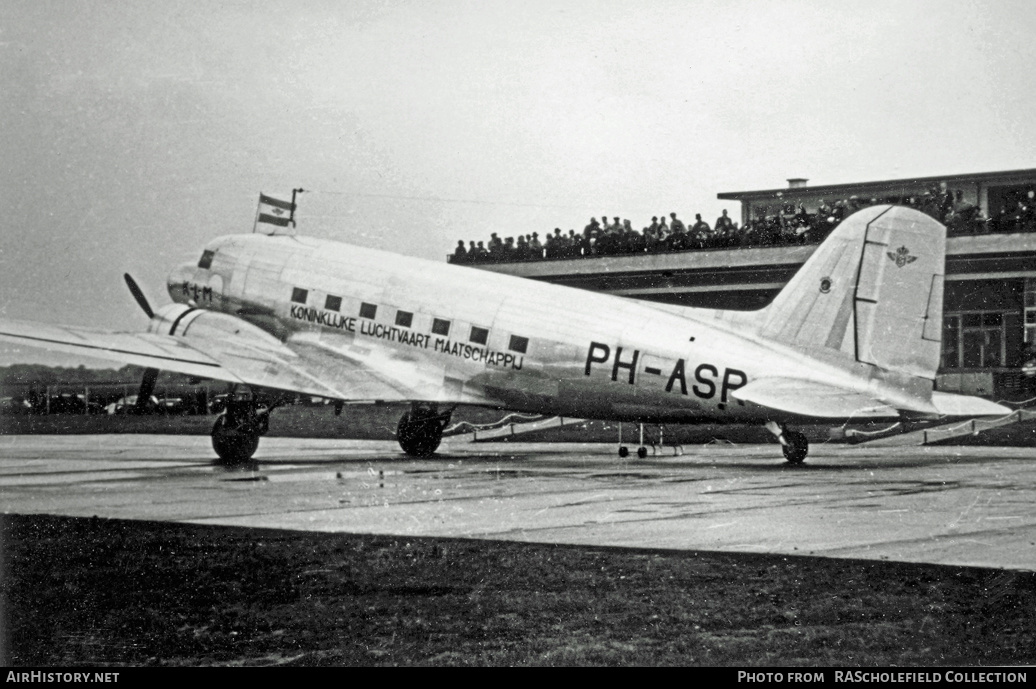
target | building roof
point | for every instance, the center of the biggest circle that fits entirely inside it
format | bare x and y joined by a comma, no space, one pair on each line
835,189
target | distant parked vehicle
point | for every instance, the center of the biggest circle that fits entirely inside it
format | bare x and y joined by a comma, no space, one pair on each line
218,403
172,405
71,404
15,406
128,405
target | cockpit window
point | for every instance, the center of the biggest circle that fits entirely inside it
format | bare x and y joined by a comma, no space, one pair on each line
206,259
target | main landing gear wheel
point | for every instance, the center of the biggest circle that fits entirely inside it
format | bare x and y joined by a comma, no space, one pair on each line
420,430
235,435
796,447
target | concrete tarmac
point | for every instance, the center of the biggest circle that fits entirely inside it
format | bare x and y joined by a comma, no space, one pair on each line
949,505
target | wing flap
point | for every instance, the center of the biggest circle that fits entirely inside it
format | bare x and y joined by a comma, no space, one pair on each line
809,398
367,373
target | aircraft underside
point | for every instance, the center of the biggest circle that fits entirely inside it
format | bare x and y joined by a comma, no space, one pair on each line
246,418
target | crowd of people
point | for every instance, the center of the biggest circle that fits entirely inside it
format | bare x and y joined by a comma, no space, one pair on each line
782,224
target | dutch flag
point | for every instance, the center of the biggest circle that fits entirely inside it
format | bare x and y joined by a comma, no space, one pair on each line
274,211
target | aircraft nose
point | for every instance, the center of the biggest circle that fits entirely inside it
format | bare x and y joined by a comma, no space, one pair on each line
178,281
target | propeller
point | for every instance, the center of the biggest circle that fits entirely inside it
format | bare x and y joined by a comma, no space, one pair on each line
147,385
138,294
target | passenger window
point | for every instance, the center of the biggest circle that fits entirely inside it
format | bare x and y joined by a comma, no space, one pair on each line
368,310
440,327
479,335
518,344
333,303
298,295
404,318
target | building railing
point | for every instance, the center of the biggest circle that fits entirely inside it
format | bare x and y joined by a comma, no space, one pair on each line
770,232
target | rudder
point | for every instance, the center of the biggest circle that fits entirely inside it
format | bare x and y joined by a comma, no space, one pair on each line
872,291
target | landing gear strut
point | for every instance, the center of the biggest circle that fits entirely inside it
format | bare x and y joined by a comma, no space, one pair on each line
794,444
420,430
235,435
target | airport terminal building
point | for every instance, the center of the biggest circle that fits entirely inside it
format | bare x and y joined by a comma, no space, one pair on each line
990,290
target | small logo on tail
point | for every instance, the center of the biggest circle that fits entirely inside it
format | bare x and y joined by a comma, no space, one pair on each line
901,257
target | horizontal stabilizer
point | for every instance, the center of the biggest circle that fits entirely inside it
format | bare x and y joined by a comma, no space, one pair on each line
808,398
964,405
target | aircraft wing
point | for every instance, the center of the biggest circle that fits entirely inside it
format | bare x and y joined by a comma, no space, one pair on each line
141,349
237,357
808,398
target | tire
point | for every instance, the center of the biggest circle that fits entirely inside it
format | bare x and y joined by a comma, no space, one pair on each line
233,446
797,448
642,452
419,437
624,451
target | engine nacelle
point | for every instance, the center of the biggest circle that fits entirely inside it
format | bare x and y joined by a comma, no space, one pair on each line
168,318
190,323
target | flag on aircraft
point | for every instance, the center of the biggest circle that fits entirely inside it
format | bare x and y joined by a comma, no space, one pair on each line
274,211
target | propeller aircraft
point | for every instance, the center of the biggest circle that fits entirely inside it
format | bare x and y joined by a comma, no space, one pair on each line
855,335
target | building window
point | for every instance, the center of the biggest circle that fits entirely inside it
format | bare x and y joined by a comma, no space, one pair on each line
951,342
479,335
368,310
205,261
974,340
298,295
404,318
1030,310
441,327
333,303
518,344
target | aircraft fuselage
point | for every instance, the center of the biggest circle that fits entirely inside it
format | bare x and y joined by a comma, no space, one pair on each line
483,338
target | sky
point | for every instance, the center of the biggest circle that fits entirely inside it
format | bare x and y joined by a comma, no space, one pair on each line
135,132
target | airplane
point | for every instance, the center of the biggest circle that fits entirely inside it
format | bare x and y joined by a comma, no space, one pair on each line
854,336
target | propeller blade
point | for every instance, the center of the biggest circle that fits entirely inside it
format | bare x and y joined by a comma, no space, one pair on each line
138,295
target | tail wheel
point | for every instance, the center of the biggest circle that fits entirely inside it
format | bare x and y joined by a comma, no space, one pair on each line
797,447
419,434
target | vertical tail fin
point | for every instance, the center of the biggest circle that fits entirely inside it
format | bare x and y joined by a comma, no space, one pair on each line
872,291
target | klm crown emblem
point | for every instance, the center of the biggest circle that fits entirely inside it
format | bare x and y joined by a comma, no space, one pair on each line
901,257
